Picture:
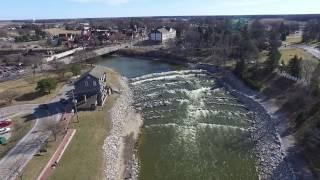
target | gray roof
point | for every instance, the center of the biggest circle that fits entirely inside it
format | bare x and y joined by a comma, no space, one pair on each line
97,71
163,30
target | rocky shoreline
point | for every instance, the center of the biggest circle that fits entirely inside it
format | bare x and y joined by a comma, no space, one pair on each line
120,160
272,162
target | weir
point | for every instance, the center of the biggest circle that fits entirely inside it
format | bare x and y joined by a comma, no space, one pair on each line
193,128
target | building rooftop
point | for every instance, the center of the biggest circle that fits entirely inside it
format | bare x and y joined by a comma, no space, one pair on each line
163,30
97,71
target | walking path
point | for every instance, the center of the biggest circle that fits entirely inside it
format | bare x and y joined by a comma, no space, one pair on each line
55,159
13,163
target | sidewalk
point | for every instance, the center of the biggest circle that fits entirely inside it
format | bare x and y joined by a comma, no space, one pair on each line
55,159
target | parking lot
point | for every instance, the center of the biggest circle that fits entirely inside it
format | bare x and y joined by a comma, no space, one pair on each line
11,72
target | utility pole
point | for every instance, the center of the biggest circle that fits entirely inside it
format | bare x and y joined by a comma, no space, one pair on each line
75,105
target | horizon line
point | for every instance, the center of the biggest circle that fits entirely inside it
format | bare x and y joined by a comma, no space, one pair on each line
160,16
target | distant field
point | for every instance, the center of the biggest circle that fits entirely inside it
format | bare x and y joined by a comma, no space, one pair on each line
287,54
293,39
57,31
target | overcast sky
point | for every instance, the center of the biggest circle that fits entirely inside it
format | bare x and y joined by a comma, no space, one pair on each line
46,9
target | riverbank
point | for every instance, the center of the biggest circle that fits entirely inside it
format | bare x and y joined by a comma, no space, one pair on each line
276,112
119,146
272,161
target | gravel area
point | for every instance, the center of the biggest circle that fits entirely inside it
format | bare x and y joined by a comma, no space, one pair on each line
125,122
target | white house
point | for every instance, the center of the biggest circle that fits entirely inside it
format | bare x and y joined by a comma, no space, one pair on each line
162,34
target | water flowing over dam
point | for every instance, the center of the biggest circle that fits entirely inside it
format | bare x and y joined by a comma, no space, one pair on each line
193,128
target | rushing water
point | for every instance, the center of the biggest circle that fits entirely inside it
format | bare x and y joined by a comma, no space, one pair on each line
193,128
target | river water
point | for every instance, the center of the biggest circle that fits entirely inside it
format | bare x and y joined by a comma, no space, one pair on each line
193,128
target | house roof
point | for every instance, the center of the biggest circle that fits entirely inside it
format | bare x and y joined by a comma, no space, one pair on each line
97,71
163,30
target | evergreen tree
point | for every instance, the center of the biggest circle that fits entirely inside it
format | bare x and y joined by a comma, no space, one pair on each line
274,54
294,66
315,81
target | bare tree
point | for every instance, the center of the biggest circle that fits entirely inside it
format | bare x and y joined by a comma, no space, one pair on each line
56,129
9,95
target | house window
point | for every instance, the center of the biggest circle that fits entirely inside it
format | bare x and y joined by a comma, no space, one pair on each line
86,83
94,83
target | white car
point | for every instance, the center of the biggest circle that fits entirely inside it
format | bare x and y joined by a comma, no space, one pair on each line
5,130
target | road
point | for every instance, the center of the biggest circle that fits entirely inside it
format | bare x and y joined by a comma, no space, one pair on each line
312,50
13,163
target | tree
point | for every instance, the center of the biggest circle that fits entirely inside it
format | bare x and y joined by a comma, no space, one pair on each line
46,85
312,31
9,95
258,34
315,81
76,69
294,66
284,31
274,54
240,68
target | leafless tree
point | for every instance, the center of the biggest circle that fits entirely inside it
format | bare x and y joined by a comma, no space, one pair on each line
9,95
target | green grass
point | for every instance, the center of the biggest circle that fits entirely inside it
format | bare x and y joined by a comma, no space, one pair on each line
21,126
287,54
83,158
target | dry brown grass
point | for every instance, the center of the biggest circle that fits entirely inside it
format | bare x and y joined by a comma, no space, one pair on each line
287,54
57,31
293,39
26,89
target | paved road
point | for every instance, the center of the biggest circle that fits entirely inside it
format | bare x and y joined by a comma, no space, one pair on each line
312,50
22,153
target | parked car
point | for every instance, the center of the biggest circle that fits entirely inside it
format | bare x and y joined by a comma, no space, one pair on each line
5,123
5,130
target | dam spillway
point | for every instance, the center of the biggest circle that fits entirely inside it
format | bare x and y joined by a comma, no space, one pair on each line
193,128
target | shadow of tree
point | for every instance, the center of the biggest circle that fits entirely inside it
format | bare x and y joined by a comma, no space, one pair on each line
29,117
30,96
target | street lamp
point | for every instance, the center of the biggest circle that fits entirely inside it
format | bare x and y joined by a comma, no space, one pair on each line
75,105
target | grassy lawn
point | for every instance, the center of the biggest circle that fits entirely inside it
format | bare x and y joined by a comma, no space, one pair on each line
293,39
287,54
83,158
21,126
26,89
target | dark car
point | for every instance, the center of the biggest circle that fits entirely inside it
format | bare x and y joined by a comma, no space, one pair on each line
64,101
44,106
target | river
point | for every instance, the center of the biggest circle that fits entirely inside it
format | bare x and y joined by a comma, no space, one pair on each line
193,127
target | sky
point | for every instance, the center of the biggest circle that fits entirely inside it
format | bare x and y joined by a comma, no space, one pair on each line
59,9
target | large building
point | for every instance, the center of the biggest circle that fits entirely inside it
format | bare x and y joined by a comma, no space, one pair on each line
91,89
162,34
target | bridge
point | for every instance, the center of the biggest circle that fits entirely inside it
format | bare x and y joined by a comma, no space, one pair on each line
69,57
